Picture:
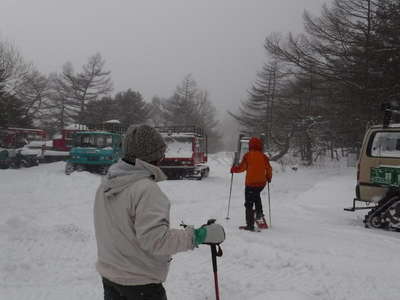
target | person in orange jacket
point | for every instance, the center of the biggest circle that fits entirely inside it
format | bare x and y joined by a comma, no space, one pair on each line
258,173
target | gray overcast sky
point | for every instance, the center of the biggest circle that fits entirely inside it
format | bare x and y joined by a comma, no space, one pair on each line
150,45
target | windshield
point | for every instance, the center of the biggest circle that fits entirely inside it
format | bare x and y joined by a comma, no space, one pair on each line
386,144
178,146
93,140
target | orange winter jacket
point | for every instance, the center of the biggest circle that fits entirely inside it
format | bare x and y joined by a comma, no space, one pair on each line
256,164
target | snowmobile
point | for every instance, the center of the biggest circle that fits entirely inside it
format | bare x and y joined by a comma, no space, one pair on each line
4,159
12,153
14,159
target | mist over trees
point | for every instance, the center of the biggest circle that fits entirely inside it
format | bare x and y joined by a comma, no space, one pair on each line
84,96
127,107
190,105
317,92
72,92
321,89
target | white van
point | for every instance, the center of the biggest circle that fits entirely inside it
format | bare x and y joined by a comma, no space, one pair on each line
378,165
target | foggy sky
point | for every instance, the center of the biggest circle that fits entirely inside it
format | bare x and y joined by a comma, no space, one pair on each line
150,45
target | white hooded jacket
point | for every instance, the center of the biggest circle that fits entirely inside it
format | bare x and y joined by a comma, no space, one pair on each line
131,218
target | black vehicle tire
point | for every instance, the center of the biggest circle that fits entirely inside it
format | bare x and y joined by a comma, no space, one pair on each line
4,166
15,165
80,168
104,170
376,222
26,164
69,168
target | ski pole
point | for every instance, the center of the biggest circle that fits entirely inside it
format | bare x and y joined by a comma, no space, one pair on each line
230,194
214,254
235,162
269,207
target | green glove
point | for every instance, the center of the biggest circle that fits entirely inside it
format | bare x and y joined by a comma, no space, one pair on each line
209,234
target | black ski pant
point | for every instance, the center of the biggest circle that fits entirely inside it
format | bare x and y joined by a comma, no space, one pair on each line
252,198
114,291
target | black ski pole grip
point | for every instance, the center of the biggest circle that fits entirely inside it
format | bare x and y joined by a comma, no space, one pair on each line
211,221
214,257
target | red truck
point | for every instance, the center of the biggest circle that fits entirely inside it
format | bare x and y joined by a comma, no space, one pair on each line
19,137
186,154
65,141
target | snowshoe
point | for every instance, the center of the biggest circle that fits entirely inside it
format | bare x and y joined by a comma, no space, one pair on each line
253,229
260,221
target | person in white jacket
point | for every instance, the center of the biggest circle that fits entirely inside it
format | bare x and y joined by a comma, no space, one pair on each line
131,218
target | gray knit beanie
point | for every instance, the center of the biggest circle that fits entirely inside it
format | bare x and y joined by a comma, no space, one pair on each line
143,142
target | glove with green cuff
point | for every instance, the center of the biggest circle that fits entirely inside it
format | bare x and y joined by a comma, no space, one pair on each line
209,234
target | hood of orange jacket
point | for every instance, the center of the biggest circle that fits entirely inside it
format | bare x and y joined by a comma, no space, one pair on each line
255,144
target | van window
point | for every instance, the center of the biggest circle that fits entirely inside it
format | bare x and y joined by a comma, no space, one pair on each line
385,144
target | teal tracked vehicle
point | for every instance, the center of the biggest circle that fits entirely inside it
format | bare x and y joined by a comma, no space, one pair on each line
94,151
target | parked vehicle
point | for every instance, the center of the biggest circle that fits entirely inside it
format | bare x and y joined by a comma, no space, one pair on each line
94,151
14,137
4,158
12,141
186,154
378,174
65,141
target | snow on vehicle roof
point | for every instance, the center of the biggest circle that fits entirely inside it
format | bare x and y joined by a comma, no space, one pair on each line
25,129
35,144
76,127
113,122
394,125
180,134
94,132
178,148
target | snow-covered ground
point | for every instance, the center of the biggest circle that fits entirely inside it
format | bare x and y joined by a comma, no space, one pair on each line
314,250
